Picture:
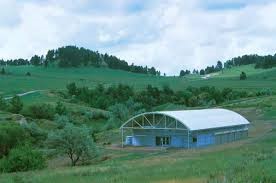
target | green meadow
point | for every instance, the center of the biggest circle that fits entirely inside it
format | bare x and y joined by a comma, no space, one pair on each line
252,159
56,79
248,159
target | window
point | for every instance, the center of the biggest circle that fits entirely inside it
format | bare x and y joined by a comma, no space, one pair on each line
194,139
163,140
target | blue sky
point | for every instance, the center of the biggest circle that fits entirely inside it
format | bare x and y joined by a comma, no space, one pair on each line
168,34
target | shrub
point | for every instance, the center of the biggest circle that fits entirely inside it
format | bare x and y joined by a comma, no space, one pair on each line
36,133
61,120
3,104
16,104
11,134
60,108
42,111
243,76
3,71
23,158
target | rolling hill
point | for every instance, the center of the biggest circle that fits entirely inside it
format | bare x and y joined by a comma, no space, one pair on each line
249,159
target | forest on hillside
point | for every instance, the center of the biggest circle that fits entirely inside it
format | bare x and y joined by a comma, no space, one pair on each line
262,62
72,56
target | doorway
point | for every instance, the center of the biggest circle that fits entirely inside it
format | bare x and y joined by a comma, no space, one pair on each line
162,140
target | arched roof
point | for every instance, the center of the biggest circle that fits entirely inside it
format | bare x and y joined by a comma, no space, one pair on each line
203,118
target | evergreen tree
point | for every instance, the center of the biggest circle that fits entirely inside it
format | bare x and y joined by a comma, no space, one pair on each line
3,71
16,104
243,76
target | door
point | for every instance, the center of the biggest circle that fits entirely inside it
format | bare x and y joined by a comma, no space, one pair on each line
162,140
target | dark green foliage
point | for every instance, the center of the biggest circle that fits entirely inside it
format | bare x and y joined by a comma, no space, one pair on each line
11,134
28,74
3,104
219,66
75,142
103,98
36,60
23,158
264,62
3,71
183,73
243,76
42,111
201,72
15,62
72,88
72,56
16,104
60,108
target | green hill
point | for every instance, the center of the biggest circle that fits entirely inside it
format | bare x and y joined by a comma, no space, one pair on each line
56,79
251,160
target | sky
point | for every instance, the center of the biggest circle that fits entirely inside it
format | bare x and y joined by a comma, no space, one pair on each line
168,34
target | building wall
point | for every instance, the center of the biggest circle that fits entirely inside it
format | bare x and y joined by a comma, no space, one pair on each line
147,137
179,138
218,136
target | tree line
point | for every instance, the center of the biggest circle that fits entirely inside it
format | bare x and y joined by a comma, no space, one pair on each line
73,56
104,97
263,62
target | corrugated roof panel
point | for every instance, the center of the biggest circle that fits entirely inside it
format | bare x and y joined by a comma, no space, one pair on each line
207,118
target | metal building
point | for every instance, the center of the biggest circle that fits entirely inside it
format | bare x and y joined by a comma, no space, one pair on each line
186,128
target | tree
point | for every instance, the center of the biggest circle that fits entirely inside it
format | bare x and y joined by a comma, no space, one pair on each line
182,73
76,142
3,103
16,104
60,108
243,76
201,72
72,88
35,60
28,74
219,66
3,71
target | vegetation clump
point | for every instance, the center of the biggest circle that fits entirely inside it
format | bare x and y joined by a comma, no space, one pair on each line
22,158
73,141
243,76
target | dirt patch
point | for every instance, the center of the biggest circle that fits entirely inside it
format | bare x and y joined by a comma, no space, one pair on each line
190,180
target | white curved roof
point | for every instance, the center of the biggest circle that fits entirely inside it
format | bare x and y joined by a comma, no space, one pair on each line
207,118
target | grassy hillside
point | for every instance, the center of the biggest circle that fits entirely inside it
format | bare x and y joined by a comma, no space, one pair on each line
248,159
242,160
57,78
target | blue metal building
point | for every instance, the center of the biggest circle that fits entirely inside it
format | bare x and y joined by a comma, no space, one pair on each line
185,129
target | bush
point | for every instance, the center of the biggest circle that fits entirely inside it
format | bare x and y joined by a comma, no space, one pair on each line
23,158
3,104
60,108
16,104
243,76
3,71
42,111
36,133
11,135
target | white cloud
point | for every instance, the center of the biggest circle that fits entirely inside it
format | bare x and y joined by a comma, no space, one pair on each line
170,35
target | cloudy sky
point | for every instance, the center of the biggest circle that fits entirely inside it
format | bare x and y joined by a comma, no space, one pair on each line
168,34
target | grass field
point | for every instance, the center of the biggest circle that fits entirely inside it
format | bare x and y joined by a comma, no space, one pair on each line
57,78
243,160
249,159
